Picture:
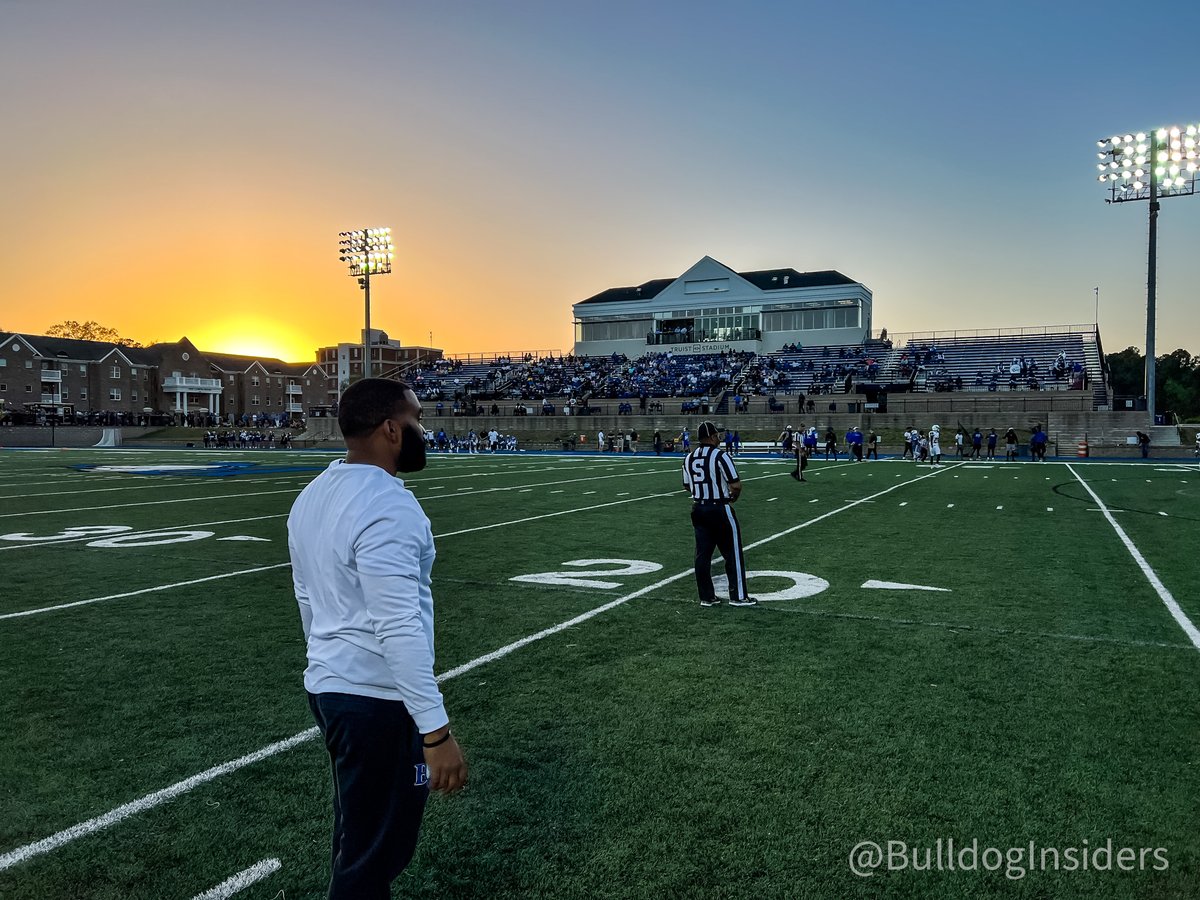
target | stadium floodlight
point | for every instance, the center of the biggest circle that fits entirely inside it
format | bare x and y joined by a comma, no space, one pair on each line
1150,165
367,252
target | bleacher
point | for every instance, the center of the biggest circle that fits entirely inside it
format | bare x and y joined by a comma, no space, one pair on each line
672,375
448,380
991,362
815,370
928,362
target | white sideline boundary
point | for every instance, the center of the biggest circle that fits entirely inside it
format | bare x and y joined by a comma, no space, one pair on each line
45,845
1168,600
241,880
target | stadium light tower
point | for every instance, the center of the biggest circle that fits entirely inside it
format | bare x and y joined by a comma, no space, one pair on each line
367,252
1150,166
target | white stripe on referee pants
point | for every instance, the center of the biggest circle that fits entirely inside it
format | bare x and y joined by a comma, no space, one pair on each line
739,563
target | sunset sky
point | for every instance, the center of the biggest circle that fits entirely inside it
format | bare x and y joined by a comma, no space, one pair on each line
184,168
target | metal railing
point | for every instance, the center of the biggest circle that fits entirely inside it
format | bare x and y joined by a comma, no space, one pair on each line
185,382
516,356
899,338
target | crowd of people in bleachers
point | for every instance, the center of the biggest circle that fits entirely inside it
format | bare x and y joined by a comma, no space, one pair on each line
566,384
783,374
672,375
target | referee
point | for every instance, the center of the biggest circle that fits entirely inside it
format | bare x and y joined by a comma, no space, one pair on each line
711,478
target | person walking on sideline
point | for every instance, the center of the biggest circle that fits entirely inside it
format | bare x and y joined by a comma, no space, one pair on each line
362,550
711,478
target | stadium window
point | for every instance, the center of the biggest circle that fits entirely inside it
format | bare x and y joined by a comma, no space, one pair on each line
133,395
3,362
253,381
3,388
114,393
231,379
66,395
254,400
83,370
29,388
83,393
29,363
115,372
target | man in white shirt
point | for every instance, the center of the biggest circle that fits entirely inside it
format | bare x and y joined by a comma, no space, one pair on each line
362,551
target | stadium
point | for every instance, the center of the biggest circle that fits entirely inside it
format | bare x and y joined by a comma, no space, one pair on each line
981,670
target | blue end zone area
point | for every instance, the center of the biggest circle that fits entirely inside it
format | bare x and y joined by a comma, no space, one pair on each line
194,470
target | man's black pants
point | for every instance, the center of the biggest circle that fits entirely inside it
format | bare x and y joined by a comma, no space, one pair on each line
717,527
379,791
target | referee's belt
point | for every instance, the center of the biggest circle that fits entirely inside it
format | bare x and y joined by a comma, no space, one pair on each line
724,501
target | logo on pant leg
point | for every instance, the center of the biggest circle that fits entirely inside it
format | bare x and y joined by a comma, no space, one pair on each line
422,774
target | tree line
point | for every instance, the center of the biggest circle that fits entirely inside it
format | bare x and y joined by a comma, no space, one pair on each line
1176,381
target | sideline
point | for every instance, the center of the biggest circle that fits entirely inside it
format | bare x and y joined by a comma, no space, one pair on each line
1172,606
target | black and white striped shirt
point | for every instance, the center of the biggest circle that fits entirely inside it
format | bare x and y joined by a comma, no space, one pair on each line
708,472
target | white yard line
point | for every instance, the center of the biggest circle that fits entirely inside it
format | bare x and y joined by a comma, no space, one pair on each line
296,490
149,590
167,481
580,509
1155,582
45,845
241,880
47,512
166,587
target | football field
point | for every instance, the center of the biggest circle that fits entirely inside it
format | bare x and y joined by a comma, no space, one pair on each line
970,681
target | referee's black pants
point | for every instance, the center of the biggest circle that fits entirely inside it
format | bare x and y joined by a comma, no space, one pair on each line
717,527
380,786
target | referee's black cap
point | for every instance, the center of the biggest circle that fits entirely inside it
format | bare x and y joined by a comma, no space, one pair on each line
706,430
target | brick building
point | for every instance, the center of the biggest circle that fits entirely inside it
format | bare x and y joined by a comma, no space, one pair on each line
71,379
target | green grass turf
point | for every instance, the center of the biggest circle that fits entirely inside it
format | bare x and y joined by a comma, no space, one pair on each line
656,749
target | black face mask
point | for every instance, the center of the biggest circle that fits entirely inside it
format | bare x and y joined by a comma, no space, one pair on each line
412,449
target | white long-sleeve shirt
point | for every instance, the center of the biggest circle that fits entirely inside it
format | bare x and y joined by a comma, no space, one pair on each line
362,553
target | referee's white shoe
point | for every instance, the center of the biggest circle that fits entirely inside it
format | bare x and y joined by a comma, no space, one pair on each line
743,601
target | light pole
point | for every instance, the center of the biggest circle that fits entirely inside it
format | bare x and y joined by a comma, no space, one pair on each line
1150,166
367,252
